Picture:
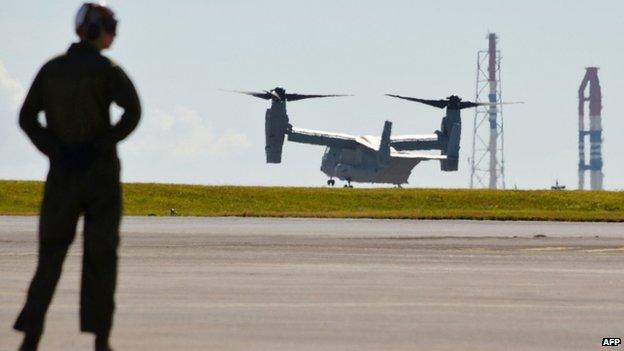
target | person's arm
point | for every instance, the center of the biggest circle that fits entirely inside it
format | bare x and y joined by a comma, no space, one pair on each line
125,96
41,137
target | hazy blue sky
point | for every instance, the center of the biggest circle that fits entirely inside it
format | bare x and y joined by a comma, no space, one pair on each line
180,53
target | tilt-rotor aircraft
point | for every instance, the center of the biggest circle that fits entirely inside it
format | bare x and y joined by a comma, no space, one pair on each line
365,159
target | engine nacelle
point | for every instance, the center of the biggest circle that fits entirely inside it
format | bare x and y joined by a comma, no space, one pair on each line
452,135
275,126
449,165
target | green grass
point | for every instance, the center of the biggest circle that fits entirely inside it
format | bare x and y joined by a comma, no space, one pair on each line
23,198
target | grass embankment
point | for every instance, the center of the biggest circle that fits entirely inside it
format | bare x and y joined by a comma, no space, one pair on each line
23,198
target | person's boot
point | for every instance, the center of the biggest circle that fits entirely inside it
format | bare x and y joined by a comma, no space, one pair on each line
30,342
102,343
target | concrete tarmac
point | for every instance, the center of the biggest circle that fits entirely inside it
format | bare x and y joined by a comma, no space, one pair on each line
305,284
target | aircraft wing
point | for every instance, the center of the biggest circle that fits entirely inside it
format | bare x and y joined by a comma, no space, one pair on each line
371,142
416,155
318,137
415,142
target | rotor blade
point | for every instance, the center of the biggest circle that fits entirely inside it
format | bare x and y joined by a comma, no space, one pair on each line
467,104
295,97
262,95
434,103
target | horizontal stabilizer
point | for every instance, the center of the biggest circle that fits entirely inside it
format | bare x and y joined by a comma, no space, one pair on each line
417,155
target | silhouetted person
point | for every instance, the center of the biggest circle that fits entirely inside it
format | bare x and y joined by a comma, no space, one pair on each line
75,90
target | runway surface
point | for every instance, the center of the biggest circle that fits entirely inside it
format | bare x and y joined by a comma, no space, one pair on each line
302,284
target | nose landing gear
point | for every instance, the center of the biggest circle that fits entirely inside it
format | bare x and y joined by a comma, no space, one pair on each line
348,185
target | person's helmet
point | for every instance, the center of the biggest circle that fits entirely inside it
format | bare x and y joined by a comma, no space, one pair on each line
92,19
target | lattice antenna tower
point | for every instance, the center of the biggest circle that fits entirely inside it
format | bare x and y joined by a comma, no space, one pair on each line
488,138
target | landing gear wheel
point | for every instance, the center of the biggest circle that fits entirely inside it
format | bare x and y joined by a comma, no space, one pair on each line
331,182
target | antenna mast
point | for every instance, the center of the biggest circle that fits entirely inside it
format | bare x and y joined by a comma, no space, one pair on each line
488,160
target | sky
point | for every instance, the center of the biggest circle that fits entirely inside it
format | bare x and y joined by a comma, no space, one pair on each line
181,56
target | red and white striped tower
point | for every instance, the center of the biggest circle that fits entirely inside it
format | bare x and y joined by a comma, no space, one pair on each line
595,130
492,97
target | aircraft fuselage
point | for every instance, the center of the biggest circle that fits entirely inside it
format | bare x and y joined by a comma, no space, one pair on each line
362,165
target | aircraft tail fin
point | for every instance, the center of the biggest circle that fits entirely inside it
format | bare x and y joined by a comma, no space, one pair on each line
384,144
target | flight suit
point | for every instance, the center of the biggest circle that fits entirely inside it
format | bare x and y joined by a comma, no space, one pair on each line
75,90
